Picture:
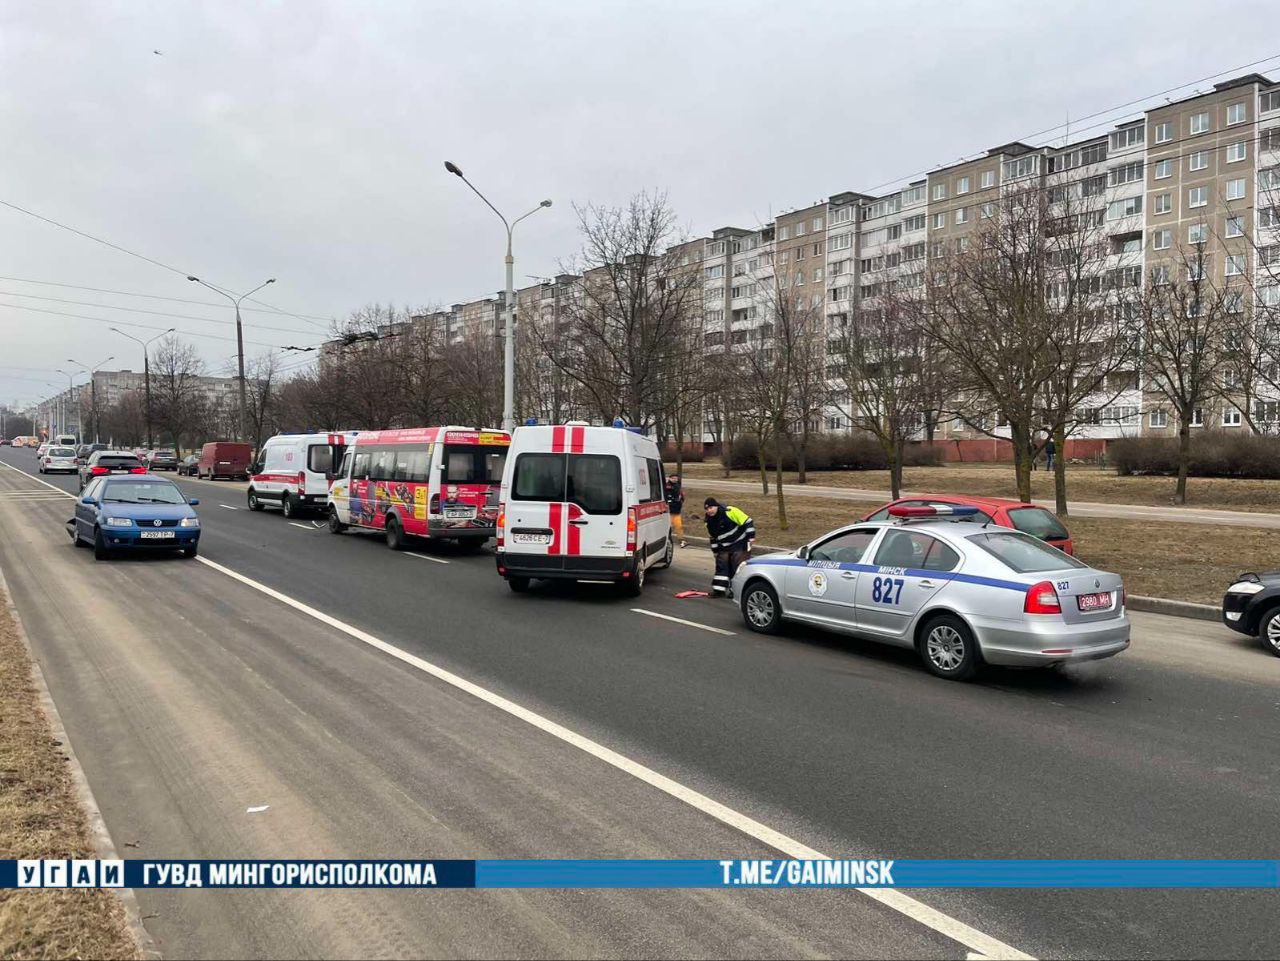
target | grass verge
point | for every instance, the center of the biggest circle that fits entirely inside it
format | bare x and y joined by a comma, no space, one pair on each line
41,817
1178,561
1084,483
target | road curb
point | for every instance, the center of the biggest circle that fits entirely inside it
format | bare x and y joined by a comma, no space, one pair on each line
1165,605
99,834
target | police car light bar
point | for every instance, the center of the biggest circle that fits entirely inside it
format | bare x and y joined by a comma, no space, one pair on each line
942,510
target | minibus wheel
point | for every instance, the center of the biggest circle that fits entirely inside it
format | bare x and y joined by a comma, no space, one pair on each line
395,536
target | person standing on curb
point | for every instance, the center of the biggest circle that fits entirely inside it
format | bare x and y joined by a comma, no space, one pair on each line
731,533
675,503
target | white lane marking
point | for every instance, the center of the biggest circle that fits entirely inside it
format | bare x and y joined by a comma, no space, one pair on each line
425,557
228,507
305,527
891,898
681,620
257,810
18,470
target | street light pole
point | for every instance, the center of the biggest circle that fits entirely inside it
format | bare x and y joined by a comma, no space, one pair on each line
146,369
509,348
66,413
239,337
93,390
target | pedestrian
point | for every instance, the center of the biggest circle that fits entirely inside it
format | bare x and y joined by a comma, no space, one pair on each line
675,503
1049,449
731,533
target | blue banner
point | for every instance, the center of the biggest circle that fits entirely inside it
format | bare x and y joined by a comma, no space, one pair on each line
723,873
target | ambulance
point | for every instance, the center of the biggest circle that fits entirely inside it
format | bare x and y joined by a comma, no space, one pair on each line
294,471
438,483
585,503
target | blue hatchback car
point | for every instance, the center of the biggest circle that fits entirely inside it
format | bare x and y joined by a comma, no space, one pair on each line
134,512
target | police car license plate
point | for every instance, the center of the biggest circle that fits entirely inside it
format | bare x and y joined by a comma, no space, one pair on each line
530,538
459,513
155,535
1094,602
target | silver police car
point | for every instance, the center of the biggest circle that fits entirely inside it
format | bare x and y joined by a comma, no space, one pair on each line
959,592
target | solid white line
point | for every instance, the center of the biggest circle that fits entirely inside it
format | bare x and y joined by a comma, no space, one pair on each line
18,470
891,898
425,557
681,620
305,527
228,507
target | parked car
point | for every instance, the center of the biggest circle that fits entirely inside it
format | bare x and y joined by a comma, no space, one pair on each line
294,471
135,513
225,459
43,446
1252,606
102,463
57,458
189,465
960,594
582,503
162,458
84,451
1001,511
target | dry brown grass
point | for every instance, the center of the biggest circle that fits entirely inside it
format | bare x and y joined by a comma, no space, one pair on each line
40,817
1084,483
1180,561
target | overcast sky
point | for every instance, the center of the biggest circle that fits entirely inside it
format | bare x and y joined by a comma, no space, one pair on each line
304,139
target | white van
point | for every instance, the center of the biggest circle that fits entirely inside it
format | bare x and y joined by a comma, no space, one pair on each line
582,503
294,471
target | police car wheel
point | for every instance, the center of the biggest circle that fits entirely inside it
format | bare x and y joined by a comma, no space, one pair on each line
949,649
760,608
1269,630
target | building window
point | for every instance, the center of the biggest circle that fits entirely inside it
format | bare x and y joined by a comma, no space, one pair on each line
1197,234
1125,174
988,179
1021,167
1158,419
1235,265
1197,197
1269,179
1198,160
914,223
939,191
1199,123
784,233
841,242
1270,101
987,211
1197,417
1235,114
1231,417
962,215
1164,168
1160,276
1129,137
1236,152
1164,132
1235,189
1162,239
1195,273
817,224
1118,209
939,221
1164,203
962,185
1235,226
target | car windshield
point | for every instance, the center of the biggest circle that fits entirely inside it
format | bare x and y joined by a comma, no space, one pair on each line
1023,553
137,492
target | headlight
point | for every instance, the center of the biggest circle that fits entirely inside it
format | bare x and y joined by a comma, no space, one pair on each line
119,522
1245,587
189,522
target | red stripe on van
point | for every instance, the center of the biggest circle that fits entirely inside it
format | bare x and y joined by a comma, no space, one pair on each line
578,439
554,519
557,440
575,532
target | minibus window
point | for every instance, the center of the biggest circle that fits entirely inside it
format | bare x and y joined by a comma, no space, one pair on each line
473,464
495,461
346,463
363,459
594,483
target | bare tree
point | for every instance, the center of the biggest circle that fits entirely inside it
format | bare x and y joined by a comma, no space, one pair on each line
262,381
177,395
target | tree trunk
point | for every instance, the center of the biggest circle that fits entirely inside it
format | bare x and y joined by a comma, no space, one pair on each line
802,476
895,470
1184,457
1060,470
1022,454
764,471
777,481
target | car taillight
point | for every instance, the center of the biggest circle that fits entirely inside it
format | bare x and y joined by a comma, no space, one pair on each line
631,529
1042,599
48,460
501,529
435,504
302,482
95,471
137,470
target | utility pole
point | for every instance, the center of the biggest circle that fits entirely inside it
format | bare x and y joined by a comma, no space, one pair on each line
239,337
509,349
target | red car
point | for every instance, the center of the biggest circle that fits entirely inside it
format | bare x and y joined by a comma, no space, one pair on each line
1001,511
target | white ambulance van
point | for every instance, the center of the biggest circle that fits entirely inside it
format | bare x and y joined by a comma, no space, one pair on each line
582,503
294,471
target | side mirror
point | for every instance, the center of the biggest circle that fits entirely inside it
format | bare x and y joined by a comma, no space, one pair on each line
193,501
88,501
803,553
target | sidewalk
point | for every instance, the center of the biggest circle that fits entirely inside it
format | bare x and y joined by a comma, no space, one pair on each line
1177,515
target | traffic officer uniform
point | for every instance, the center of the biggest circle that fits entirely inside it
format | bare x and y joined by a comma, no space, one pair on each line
731,532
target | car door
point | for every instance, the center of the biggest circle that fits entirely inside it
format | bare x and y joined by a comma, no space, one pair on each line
825,588
910,571
87,515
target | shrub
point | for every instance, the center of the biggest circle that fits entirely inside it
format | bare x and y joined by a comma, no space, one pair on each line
693,453
830,452
1213,454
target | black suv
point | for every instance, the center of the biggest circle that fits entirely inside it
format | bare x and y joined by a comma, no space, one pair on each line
103,462
163,459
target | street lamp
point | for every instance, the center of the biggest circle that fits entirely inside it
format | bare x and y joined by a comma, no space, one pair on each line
239,334
146,368
509,350
66,413
93,389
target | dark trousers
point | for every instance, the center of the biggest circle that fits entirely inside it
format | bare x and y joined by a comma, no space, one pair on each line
727,564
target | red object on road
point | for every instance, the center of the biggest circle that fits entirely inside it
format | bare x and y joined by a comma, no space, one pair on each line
683,594
1001,511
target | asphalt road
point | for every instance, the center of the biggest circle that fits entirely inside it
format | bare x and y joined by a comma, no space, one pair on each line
190,697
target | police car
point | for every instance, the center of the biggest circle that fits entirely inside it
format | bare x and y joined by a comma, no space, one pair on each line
960,594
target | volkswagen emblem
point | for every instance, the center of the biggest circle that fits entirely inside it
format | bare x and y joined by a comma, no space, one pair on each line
157,522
